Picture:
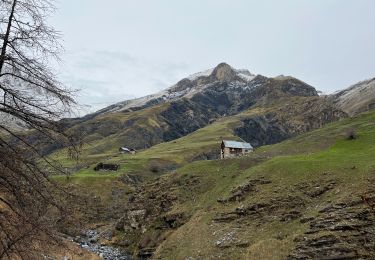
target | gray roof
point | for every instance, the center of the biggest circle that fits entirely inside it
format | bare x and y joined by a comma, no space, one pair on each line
235,144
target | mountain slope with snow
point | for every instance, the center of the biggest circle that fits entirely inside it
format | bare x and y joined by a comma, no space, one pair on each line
357,98
187,87
187,106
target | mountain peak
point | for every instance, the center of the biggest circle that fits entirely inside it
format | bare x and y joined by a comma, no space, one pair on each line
224,65
224,72
238,81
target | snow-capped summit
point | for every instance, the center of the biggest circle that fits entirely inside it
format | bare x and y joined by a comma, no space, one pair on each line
223,72
189,86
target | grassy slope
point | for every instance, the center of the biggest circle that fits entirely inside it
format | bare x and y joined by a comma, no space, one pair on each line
314,157
177,152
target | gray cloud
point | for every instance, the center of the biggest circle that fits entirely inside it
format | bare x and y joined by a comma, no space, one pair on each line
134,48
106,77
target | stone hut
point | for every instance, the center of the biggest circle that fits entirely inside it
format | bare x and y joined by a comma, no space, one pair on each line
231,149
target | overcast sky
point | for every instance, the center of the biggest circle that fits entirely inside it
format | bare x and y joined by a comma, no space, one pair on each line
119,49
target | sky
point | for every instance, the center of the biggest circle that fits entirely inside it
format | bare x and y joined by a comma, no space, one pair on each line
121,49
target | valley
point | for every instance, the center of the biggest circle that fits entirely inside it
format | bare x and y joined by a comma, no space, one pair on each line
281,190
187,130
299,195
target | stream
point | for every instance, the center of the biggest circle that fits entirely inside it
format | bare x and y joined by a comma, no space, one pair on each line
89,242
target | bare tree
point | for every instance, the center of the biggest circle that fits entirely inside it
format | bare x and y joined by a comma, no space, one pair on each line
29,93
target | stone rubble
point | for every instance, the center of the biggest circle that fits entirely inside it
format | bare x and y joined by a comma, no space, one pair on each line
89,240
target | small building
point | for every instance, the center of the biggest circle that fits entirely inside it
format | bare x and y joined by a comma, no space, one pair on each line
127,150
231,149
106,167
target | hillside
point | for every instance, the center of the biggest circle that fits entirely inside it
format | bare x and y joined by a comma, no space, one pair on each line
297,199
219,103
174,200
261,125
189,105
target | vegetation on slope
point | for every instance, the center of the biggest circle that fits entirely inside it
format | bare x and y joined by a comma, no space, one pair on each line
259,125
172,118
270,205
281,201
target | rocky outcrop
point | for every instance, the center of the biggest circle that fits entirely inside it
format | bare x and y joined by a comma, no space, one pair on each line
132,219
261,130
288,121
340,231
284,208
240,192
223,98
343,229
148,217
224,73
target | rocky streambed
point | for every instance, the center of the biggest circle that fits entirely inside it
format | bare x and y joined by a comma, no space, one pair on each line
89,241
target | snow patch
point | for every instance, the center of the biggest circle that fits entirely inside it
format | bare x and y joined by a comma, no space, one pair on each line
204,73
170,94
245,74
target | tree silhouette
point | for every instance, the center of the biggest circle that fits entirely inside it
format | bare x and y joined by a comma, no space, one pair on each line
31,94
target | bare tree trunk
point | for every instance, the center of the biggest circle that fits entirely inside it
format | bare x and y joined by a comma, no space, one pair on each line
6,37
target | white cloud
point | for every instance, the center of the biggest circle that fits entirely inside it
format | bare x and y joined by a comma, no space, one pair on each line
106,77
129,48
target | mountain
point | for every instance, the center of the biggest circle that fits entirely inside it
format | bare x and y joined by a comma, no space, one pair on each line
305,193
217,104
190,104
187,88
357,98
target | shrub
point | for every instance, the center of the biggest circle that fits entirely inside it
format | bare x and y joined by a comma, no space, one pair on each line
155,168
351,134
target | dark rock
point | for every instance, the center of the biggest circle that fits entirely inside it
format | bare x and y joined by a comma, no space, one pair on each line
259,131
316,188
240,192
146,252
120,224
292,215
275,127
307,219
340,231
226,217
175,220
320,190
242,244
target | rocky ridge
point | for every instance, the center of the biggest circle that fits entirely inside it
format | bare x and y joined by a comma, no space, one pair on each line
357,98
185,88
182,109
